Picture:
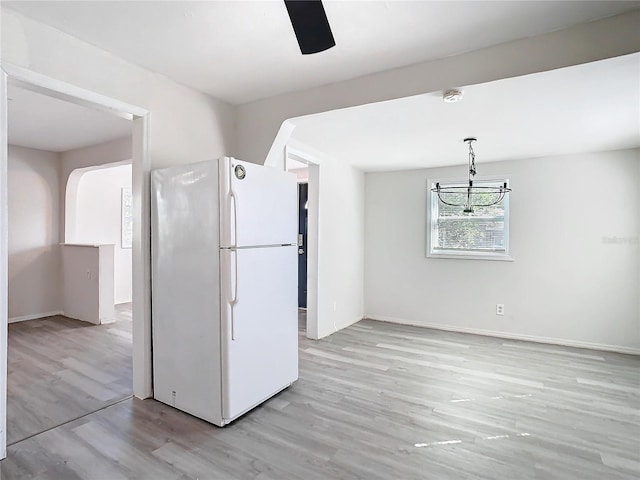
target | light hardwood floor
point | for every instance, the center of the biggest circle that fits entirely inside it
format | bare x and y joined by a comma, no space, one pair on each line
302,320
379,401
60,369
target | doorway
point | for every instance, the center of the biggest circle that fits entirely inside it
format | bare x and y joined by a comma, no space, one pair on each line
303,207
141,320
307,171
69,345
303,238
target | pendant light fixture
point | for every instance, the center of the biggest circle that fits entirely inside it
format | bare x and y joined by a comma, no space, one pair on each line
470,196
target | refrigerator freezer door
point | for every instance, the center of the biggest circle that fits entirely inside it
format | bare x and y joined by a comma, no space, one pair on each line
257,205
260,325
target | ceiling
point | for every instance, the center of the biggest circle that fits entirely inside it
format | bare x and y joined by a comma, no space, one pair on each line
241,51
585,108
46,123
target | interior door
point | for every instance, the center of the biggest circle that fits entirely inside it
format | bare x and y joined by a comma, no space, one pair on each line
260,336
303,195
259,205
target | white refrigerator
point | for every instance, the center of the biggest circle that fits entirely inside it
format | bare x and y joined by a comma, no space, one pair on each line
224,286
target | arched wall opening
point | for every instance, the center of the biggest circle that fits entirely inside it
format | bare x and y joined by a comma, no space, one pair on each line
98,211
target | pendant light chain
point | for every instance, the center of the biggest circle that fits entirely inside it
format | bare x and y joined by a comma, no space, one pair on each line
472,158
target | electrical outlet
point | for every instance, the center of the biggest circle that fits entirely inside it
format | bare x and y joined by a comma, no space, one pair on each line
499,309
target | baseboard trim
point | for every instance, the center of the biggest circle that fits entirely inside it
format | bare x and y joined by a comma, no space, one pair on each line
35,316
342,327
82,319
336,328
508,335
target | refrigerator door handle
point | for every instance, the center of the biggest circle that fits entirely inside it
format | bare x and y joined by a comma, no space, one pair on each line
234,211
234,299
234,199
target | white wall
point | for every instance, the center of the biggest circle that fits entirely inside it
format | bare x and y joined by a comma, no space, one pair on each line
115,151
34,254
575,225
340,246
36,202
98,219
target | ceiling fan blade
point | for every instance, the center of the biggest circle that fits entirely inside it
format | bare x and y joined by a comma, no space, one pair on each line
310,25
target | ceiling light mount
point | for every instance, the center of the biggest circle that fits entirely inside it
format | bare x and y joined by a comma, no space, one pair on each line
311,26
452,96
470,195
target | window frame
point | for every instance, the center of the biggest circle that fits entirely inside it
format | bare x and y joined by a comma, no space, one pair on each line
432,212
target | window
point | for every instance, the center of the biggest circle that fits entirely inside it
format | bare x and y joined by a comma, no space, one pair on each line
483,234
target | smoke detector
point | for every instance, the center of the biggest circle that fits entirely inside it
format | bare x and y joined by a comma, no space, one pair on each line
452,96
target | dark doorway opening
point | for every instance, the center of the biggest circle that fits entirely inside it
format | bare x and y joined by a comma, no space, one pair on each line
303,196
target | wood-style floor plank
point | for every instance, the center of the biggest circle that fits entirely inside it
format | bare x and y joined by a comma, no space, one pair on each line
377,401
60,369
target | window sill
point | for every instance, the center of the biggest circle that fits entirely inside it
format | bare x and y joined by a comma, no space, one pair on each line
464,256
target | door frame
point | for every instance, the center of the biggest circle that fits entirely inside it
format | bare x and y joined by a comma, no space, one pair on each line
141,166
299,155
